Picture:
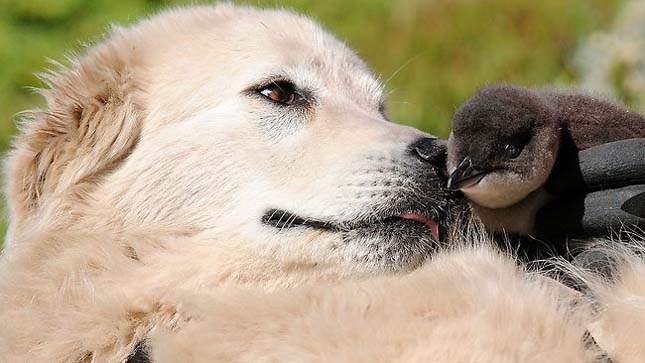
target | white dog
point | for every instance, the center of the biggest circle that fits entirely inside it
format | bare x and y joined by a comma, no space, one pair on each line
233,119
212,149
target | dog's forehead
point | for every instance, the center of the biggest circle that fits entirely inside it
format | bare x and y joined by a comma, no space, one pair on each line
254,44
294,44
195,59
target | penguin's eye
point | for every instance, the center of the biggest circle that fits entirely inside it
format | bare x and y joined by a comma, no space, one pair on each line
512,151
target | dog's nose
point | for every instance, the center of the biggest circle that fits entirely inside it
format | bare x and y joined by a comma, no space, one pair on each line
431,150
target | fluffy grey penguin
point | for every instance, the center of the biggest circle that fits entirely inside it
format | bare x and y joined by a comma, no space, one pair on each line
507,141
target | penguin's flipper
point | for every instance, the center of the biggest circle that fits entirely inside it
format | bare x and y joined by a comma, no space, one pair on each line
612,165
602,213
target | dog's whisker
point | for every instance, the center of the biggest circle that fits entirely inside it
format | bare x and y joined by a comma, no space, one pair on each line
289,222
405,64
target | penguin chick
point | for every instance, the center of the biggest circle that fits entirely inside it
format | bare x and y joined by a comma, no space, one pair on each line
505,139
503,145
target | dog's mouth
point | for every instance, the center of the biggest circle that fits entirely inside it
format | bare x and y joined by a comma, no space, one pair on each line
282,219
429,222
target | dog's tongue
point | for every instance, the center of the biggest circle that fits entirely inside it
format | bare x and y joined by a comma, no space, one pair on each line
429,222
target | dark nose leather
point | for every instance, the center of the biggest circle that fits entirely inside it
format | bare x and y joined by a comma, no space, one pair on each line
431,150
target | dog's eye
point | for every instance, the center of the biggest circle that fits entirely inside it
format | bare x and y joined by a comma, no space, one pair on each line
281,92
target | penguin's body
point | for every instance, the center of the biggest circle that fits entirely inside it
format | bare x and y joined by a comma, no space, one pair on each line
507,141
593,121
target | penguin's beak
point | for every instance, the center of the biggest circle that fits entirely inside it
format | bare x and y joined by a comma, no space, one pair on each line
465,175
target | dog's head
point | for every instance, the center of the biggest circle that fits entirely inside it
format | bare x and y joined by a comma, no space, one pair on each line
221,119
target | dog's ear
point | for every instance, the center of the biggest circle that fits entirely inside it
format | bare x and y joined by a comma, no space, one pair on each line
91,123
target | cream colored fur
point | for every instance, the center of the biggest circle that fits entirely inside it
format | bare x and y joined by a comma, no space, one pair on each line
469,305
620,312
135,201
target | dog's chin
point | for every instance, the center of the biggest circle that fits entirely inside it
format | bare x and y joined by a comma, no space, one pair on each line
392,243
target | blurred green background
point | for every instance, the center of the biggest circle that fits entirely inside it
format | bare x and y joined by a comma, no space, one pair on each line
432,53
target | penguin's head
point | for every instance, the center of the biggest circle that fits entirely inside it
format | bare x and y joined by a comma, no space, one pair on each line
503,145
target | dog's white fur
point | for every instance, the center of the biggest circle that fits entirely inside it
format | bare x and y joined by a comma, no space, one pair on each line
172,94
469,305
136,198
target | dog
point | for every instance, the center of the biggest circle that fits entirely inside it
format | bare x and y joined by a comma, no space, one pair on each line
250,137
160,135
221,151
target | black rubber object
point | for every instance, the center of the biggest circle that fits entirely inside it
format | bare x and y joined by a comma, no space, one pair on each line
596,214
611,165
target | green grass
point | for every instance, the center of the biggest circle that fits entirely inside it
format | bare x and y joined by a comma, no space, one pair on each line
432,53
